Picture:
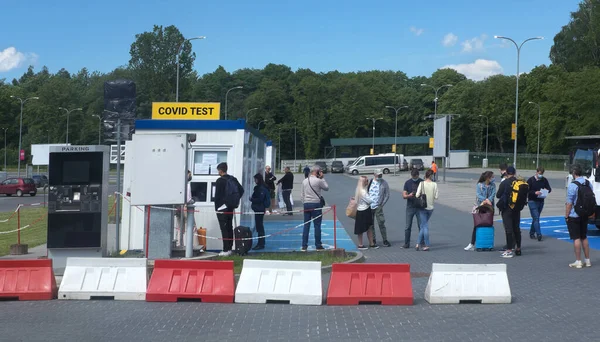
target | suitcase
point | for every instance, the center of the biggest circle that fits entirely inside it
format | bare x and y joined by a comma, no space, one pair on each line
242,247
484,239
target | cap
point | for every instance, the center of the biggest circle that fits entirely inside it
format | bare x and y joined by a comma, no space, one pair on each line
511,170
378,172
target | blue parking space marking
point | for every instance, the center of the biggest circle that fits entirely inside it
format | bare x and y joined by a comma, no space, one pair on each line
555,226
292,240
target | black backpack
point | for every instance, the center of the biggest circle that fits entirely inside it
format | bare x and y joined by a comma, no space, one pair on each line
586,200
233,192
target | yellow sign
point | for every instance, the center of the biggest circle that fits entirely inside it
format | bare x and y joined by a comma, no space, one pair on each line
186,110
513,132
371,151
430,142
394,148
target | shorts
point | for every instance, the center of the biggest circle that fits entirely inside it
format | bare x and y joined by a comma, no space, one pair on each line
272,193
577,228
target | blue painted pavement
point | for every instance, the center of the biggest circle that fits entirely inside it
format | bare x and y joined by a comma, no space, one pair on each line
555,226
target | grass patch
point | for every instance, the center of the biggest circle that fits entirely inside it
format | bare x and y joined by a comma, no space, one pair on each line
325,258
33,235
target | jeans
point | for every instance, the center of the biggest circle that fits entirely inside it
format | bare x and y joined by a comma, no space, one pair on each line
226,225
378,216
424,232
312,211
511,219
535,208
286,198
410,213
260,228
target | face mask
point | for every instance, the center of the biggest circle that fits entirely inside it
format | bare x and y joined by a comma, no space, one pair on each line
540,176
415,179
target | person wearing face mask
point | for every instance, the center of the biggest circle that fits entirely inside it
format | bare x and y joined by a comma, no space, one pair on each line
503,174
485,195
537,183
408,193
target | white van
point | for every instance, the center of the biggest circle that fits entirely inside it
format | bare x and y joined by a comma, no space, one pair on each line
368,164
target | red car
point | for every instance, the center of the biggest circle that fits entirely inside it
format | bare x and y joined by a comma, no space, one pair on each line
18,186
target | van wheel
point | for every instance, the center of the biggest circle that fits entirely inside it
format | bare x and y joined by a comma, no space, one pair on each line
386,171
19,193
354,172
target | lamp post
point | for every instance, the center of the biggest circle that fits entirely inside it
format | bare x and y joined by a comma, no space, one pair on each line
487,126
119,192
295,125
68,113
537,158
177,62
435,103
374,120
517,92
226,94
395,132
436,94
248,112
5,171
21,129
99,127
258,127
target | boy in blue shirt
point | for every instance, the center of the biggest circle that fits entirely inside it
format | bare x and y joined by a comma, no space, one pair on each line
577,225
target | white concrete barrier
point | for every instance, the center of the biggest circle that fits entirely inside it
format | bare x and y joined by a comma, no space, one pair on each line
468,283
296,282
104,278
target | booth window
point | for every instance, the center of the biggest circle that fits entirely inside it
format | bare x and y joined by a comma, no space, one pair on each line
205,162
198,191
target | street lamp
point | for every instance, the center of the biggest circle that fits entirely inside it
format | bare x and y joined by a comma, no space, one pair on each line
99,127
517,93
21,129
226,94
69,112
537,159
487,125
396,132
248,112
374,120
5,171
436,94
177,61
258,127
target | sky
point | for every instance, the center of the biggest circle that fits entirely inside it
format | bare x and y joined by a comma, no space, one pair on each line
416,37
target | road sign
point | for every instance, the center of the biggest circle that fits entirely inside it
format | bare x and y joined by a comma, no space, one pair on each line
431,144
394,148
513,132
186,110
113,154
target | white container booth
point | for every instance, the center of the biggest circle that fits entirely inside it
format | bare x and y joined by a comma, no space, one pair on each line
217,141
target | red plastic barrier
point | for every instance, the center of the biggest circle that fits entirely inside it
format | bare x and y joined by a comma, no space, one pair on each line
354,284
27,280
206,281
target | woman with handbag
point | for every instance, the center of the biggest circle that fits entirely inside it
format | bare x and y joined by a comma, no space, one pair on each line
364,217
427,193
484,202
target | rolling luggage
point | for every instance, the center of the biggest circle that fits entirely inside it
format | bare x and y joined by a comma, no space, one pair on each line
484,239
242,246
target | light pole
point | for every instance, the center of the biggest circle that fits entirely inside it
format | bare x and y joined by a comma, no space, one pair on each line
395,132
119,192
99,127
21,129
517,92
5,171
177,62
374,120
487,126
435,102
295,125
226,94
537,158
248,112
68,113
436,94
258,127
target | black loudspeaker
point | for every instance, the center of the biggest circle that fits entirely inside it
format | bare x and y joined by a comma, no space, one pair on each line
119,102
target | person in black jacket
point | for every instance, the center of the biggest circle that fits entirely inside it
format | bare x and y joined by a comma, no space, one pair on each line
537,183
510,217
270,182
287,184
225,213
260,193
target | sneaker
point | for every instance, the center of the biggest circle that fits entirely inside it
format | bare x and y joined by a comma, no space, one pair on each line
576,264
320,248
267,213
386,243
374,246
304,249
532,236
362,247
225,254
507,254
539,237
405,246
588,263
470,247
517,252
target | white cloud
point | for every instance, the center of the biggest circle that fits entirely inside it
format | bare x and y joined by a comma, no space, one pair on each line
416,31
479,70
450,39
10,59
474,44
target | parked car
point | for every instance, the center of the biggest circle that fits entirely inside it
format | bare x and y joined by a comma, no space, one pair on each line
404,165
323,166
337,166
18,186
40,180
416,164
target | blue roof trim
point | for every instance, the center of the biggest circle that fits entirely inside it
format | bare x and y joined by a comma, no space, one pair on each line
197,125
270,143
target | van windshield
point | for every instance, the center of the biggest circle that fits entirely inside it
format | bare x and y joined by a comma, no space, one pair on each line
585,159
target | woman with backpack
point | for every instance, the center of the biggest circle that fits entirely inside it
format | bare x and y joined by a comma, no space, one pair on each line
430,190
485,195
260,199
364,217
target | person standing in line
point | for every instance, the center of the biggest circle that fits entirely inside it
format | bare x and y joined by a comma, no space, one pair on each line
260,195
310,195
408,193
503,176
430,189
577,225
287,184
434,168
485,194
225,204
511,218
537,183
306,171
364,217
270,182
379,191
